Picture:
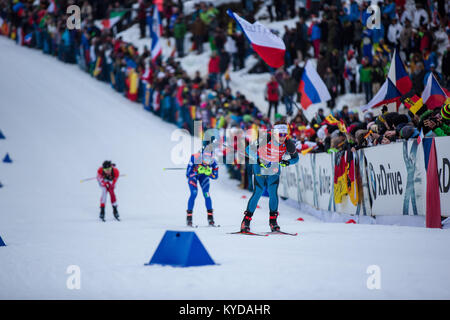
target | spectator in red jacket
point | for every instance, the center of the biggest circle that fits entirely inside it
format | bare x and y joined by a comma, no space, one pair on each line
107,176
272,95
213,69
142,18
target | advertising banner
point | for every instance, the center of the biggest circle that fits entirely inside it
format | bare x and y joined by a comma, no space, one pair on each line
443,160
385,180
396,179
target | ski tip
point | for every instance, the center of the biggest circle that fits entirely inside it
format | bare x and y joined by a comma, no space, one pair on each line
283,233
250,233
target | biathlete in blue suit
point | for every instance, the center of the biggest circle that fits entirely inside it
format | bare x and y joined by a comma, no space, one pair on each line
200,169
266,173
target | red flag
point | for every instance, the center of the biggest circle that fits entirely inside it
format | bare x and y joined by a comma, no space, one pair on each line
433,211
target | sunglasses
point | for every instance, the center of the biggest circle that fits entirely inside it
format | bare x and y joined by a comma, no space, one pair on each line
282,135
105,169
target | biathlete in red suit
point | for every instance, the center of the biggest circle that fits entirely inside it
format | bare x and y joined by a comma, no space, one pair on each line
266,172
107,176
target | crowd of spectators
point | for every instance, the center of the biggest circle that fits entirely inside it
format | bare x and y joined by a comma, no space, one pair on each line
350,58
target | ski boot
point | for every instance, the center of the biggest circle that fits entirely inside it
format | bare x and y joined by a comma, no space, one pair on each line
245,225
102,213
189,218
273,221
116,213
210,217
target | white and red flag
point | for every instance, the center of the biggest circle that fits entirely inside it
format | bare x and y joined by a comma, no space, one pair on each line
266,44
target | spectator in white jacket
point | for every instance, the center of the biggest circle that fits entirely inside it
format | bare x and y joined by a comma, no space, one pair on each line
394,30
420,16
406,15
230,47
351,66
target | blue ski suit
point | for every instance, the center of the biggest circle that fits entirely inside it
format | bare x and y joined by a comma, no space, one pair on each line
193,175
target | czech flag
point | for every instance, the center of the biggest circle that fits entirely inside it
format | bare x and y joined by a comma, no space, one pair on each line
155,34
267,45
433,95
398,75
388,93
312,88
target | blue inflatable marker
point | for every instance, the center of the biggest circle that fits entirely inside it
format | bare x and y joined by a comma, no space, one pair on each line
1,186
7,159
2,244
181,249
2,136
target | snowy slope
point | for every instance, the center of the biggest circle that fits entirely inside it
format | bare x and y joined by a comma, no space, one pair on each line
61,124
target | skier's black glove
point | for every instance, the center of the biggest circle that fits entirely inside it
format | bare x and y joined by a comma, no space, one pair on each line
284,163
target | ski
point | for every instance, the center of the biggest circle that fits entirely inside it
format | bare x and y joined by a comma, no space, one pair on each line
249,233
211,226
282,232
192,226
117,219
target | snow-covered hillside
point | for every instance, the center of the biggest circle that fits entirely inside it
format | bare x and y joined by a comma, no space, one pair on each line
60,124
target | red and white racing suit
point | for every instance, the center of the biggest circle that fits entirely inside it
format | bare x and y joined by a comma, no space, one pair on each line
107,184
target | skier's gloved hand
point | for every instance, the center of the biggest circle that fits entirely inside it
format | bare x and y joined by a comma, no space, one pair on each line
208,171
284,163
201,169
264,164
107,185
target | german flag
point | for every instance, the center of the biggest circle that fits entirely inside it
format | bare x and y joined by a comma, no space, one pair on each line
414,103
332,121
193,111
329,119
340,177
352,178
